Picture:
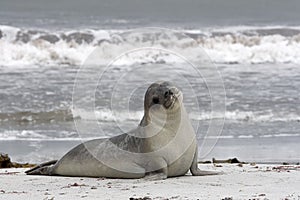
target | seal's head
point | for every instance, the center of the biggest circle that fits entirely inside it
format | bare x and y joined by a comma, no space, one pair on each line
162,107
162,95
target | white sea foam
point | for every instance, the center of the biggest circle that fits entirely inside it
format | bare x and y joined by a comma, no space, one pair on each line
107,115
280,135
244,116
19,47
42,135
39,136
121,117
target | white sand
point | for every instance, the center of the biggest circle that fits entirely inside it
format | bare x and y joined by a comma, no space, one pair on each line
246,182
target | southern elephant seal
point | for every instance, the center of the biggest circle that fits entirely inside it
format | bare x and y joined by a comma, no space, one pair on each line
163,145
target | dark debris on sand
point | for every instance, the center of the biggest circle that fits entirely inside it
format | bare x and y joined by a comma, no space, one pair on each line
215,161
5,162
230,161
140,198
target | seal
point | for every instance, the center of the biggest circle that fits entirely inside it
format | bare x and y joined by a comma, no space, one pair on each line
163,145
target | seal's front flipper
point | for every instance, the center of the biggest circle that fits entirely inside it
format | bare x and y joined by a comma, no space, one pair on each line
155,176
42,169
199,172
161,173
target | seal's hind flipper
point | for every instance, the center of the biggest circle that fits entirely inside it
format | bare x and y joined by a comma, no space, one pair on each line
41,169
196,171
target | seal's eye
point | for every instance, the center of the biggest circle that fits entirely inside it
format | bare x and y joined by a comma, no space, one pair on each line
168,93
155,100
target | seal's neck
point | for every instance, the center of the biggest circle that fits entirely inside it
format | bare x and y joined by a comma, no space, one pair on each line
159,128
162,121
162,117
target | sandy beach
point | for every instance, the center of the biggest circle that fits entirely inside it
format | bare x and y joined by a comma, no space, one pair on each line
74,70
239,181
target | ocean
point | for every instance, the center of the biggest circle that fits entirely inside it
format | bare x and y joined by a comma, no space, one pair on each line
72,71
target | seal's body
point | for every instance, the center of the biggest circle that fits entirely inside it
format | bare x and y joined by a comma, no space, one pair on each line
163,145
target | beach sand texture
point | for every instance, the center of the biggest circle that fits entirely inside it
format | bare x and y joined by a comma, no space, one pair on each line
247,181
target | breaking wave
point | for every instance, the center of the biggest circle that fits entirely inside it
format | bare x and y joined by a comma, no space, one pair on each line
232,45
107,115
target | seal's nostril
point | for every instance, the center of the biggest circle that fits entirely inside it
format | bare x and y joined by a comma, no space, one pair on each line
167,94
155,100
